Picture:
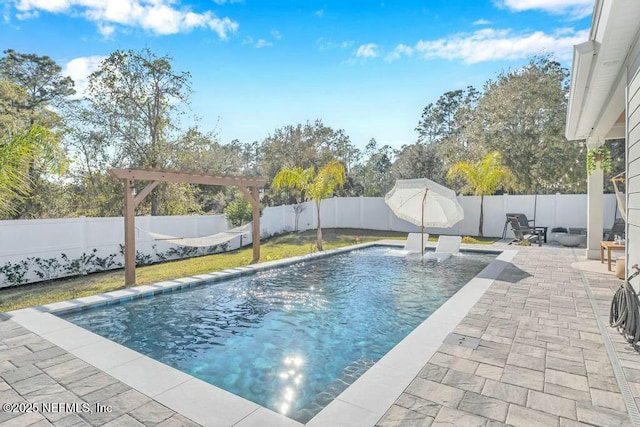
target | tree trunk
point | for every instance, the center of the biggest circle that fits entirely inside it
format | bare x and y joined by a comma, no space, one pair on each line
481,215
319,234
154,204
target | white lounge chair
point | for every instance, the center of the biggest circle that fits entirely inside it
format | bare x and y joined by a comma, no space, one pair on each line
414,240
447,246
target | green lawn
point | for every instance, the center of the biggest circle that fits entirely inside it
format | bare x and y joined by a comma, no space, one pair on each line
279,247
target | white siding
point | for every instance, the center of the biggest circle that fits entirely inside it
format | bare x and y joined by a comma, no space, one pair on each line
633,175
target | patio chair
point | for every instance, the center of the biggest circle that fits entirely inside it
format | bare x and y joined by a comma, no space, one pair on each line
528,226
524,222
524,234
414,241
447,246
617,229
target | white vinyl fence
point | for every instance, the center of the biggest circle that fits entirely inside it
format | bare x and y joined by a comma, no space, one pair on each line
34,250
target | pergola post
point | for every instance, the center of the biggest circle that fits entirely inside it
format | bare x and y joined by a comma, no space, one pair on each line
255,203
129,233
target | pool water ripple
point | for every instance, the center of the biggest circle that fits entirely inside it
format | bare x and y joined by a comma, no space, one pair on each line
290,339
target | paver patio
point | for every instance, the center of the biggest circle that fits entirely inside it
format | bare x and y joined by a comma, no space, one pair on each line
538,359
32,370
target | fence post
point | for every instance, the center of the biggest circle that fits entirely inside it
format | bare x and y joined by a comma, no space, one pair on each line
555,210
505,202
284,218
83,235
83,241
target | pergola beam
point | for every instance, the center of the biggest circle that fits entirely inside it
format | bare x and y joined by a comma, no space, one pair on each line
248,185
188,178
145,192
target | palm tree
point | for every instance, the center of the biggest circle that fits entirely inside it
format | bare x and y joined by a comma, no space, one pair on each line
314,186
23,146
483,178
17,153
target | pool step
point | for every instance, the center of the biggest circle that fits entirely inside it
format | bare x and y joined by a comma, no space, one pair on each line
349,374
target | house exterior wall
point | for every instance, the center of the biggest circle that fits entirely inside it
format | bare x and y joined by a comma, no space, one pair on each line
633,172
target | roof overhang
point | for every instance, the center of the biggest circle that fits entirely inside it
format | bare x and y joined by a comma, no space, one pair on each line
598,73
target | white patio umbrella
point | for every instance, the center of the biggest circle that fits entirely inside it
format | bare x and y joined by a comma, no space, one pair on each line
425,203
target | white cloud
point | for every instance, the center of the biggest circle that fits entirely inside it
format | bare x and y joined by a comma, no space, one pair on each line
319,13
79,69
276,34
368,50
222,26
158,16
481,22
6,13
576,9
492,45
399,51
324,44
106,30
23,16
263,43
56,6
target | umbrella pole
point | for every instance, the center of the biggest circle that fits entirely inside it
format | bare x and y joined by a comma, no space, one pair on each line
422,223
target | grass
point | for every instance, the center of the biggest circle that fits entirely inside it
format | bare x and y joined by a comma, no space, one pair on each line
279,247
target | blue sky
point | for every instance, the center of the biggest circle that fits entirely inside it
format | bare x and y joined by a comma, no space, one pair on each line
368,67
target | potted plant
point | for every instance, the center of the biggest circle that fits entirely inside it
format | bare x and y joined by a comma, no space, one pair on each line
599,157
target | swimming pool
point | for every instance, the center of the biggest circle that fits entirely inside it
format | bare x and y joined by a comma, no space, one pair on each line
288,339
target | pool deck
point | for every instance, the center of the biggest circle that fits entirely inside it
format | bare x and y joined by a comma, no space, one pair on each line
527,350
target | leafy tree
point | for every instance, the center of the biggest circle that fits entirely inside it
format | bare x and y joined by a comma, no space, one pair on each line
95,195
39,76
448,116
314,186
522,115
250,157
135,100
374,175
337,145
419,161
239,211
482,178
304,145
201,152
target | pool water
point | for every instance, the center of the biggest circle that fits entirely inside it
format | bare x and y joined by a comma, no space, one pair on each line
290,339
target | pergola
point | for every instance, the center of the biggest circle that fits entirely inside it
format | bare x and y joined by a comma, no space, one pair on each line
248,185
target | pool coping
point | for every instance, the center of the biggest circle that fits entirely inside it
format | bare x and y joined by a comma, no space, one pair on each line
363,403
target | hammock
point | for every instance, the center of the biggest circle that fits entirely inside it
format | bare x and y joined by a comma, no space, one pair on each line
204,241
622,205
